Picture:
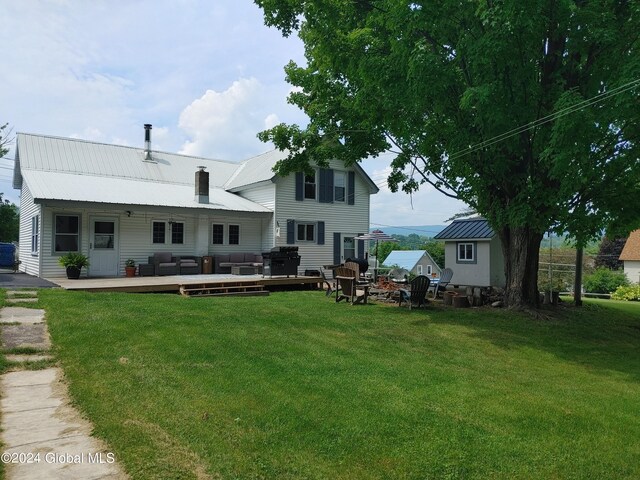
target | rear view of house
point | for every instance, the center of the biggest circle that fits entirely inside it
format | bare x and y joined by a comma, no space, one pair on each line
115,202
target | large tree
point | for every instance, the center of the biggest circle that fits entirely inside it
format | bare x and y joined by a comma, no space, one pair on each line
526,110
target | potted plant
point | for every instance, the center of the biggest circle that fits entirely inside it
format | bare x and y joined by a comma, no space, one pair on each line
73,262
130,267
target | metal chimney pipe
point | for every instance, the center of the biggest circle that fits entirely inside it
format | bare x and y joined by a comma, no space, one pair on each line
147,141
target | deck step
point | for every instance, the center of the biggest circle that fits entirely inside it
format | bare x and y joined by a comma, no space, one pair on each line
223,289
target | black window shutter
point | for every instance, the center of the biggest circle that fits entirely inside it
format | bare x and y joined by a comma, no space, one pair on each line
291,232
351,195
336,248
326,185
320,233
299,186
360,252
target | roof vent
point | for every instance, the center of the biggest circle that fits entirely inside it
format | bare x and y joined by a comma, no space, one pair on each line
147,143
202,185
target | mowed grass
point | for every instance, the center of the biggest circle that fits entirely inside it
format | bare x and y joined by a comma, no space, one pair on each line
293,386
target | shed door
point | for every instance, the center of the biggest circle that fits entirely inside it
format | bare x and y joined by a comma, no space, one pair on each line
103,247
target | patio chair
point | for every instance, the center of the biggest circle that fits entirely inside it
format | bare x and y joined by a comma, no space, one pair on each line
356,267
445,279
348,282
417,294
189,265
330,286
164,263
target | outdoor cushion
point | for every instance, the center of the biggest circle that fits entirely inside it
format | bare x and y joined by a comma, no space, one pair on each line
162,257
236,257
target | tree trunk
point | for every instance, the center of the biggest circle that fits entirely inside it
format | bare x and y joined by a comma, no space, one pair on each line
521,250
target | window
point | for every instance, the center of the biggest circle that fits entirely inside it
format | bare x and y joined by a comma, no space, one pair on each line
158,235
217,234
429,270
103,235
35,234
67,234
466,252
310,186
339,186
177,232
419,269
306,232
234,234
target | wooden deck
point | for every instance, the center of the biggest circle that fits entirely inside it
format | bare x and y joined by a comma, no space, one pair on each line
177,283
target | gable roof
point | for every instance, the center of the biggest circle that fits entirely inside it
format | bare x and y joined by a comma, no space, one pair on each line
259,169
467,229
631,250
68,169
407,259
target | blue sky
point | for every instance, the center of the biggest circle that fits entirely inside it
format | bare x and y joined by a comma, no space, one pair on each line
207,75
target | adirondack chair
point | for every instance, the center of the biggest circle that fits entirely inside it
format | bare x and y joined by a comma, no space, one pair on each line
445,279
348,282
356,267
330,286
418,293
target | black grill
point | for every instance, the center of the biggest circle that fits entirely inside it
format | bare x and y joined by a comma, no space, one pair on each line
280,261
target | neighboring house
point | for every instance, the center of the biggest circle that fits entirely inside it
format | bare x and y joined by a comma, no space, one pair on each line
114,202
418,262
474,252
631,257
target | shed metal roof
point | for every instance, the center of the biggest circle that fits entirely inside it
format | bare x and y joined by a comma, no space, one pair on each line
406,259
467,229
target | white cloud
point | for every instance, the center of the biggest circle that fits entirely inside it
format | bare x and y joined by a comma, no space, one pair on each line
224,124
271,121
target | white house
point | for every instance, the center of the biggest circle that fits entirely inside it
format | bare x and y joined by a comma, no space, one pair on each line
418,262
114,202
630,256
474,252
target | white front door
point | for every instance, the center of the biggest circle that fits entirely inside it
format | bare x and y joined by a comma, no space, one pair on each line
348,249
103,247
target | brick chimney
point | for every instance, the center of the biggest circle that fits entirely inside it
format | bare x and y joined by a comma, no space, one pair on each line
202,185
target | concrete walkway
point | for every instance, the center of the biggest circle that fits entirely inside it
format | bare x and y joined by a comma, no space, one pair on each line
43,436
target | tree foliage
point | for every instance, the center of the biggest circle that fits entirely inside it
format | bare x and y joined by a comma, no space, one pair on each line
609,253
9,221
527,111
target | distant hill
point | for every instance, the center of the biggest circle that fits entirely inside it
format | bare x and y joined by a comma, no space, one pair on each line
421,230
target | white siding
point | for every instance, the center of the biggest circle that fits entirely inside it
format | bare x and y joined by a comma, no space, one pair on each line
632,270
135,233
477,274
28,209
338,217
265,195
425,261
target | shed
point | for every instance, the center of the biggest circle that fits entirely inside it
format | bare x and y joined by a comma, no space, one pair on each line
418,262
630,256
474,252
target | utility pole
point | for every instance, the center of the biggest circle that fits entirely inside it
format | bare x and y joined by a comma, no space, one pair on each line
577,284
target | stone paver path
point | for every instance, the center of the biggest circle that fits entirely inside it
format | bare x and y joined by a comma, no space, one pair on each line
44,437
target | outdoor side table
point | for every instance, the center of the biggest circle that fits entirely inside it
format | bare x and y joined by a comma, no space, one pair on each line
146,270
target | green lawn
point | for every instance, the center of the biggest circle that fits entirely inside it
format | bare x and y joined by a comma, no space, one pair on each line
293,386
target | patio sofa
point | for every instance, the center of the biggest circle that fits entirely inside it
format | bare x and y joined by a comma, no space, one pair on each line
225,262
164,263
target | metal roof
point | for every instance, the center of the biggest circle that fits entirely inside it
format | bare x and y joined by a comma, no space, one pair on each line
407,259
55,154
125,191
260,169
467,229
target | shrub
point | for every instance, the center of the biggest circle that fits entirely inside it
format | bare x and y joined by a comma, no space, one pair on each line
630,292
604,280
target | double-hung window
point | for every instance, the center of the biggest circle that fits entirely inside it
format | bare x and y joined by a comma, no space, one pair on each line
217,234
67,233
234,234
159,232
306,232
35,234
339,186
310,186
177,232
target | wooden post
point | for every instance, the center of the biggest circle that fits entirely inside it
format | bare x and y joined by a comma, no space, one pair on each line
577,284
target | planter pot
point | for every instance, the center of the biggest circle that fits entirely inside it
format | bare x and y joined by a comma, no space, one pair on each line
73,273
130,271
